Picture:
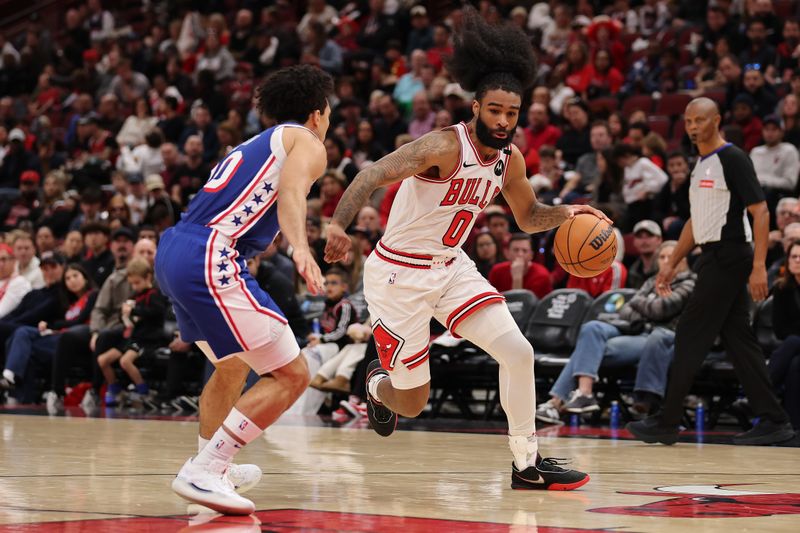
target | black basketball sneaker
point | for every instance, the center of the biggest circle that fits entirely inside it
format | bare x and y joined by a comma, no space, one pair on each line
382,420
546,474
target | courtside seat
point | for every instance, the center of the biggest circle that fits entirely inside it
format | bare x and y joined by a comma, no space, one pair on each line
521,303
762,324
609,302
553,328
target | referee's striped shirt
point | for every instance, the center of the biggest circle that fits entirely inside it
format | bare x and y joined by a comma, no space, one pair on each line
723,184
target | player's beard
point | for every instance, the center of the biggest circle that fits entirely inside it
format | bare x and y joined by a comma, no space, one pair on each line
486,137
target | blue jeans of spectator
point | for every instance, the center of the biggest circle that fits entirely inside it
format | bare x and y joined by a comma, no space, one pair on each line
784,372
598,342
657,354
25,344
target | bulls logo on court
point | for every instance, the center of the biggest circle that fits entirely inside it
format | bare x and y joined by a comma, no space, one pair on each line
387,343
709,501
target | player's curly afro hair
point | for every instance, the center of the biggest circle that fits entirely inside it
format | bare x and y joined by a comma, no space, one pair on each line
293,93
487,57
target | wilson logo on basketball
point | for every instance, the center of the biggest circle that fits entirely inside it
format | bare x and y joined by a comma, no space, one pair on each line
598,241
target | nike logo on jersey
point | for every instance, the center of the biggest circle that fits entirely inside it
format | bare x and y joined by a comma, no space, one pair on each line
467,166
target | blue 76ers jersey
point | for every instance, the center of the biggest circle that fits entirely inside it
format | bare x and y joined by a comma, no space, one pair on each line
239,200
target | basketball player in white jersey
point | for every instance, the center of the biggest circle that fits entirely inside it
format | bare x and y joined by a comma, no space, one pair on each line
418,269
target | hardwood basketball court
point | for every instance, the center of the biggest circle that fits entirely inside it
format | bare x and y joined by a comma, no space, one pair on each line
99,474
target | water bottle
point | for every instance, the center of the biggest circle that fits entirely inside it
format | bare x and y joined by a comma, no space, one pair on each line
574,420
315,328
700,417
614,414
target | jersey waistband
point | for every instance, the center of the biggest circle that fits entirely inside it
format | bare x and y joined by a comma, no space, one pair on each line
421,261
200,230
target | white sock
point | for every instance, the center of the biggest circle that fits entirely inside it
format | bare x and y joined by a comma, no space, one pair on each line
201,443
524,449
234,434
9,375
372,385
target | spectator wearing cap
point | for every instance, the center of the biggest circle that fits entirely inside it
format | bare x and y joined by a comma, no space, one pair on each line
40,304
27,206
91,203
750,124
17,160
575,141
647,238
420,37
539,131
456,102
98,260
162,209
193,172
777,163
206,129
764,98
13,287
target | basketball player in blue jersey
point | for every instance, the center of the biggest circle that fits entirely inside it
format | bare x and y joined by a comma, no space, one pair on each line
260,188
418,270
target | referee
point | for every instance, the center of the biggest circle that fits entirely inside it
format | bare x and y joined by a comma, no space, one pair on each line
723,188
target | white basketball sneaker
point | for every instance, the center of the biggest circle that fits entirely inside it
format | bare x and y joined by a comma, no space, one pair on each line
209,485
244,477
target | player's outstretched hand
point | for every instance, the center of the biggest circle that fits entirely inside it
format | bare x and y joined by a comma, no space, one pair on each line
309,269
578,209
338,243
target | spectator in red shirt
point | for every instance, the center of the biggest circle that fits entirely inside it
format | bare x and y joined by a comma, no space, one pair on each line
331,191
614,277
539,131
441,46
520,272
744,117
605,79
579,69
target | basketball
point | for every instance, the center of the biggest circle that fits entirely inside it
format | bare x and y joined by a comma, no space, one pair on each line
585,245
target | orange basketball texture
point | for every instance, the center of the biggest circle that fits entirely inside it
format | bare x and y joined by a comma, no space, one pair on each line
585,245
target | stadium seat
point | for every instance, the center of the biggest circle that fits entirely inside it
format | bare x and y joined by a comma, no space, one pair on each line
603,106
671,105
642,102
660,125
312,306
608,302
718,96
521,303
678,129
553,328
762,324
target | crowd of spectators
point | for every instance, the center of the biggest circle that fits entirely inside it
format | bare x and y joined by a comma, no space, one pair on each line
111,121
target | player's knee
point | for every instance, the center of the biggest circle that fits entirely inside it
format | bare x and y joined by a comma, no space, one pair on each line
412,402
296,375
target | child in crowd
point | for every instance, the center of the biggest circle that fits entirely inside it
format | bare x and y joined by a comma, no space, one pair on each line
143,317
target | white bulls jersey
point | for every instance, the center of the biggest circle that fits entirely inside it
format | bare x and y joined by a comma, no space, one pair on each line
434,216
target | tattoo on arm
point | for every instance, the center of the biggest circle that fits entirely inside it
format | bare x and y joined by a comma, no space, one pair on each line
544,217
402,163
